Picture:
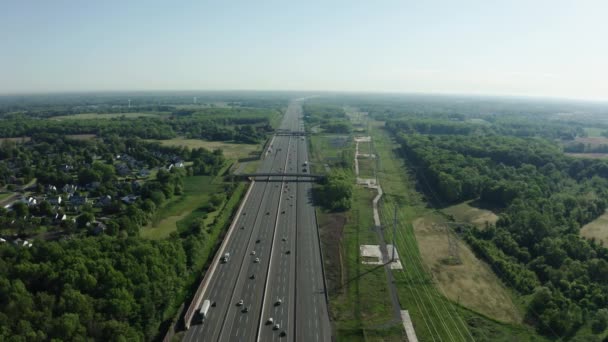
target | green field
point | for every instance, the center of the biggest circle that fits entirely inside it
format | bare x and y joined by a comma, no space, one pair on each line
231,150
594,132
89,116
197,190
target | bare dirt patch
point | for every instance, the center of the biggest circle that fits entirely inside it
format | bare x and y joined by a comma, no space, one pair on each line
597,229
331,227
593,141
465,212
16,140
81,136
472,283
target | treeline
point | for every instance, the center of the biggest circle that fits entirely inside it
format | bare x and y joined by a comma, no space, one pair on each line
486,125
544,198
247,129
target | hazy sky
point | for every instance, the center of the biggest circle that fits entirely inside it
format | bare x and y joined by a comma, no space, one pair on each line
531,47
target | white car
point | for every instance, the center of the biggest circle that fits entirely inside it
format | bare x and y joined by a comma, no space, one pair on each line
256,260
240,303
252,252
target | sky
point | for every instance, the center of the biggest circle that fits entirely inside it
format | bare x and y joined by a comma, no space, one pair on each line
554,48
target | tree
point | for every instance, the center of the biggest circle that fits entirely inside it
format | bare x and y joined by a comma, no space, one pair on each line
84,219
600,322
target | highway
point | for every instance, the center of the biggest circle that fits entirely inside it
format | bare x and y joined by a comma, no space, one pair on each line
275,265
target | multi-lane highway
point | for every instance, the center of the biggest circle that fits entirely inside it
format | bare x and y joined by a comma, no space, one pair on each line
275,266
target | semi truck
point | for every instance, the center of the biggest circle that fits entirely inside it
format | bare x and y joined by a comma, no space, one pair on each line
204,309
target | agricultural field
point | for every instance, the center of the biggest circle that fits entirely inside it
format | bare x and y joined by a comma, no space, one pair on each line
231,150
466,212
597,229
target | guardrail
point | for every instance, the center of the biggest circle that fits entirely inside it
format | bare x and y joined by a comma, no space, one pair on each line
198,297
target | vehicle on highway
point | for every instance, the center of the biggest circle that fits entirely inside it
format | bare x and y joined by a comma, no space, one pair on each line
278,302
204,310
257,260
276,327
252,252
305,163
239,303
245,309
270,321
226,257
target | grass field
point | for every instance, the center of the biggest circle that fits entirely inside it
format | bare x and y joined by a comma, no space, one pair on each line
197,190
597,229
471,283
89,116
465,212
594,132
231,150
367,167
588,155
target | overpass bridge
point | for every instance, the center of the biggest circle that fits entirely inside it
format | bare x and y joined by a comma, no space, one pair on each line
278,177
284,132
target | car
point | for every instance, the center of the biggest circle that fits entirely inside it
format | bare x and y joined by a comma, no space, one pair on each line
270,321
252,252
256,260
239,303
268,213
288,252
276,327
284,238
283,333
242,227
257,241
278,302
252,276
283,212
245,309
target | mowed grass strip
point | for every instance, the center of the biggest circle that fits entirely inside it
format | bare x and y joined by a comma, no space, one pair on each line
197,191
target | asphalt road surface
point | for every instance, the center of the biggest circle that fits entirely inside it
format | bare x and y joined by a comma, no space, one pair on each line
275,261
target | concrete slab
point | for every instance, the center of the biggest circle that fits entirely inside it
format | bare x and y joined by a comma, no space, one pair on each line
395,265
409,327
371,251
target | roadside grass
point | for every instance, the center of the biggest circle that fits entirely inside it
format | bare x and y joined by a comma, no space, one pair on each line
361,303
197,190
231,150
597,229
465,212
89,116
366,167
329,151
